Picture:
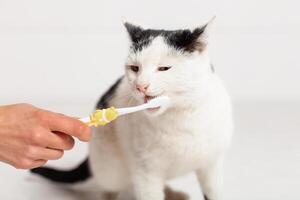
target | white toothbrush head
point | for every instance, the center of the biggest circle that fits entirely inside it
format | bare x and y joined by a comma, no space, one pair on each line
156,105
161,101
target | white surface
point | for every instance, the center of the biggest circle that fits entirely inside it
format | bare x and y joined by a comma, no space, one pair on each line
263,163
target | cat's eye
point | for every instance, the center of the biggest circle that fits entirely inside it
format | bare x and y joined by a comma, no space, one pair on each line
134,68
164,68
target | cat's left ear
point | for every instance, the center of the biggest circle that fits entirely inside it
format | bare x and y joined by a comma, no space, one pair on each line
135,32
202,34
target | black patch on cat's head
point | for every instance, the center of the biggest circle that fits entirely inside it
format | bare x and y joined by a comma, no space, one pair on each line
183,39
186,40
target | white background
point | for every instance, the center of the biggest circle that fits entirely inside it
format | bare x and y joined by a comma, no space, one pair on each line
60,50
62,55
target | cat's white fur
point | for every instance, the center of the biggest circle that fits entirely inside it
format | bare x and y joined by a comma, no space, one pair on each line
140,151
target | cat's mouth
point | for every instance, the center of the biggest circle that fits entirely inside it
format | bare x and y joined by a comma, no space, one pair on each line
147,98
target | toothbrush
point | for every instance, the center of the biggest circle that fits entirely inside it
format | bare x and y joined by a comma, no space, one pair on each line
104,116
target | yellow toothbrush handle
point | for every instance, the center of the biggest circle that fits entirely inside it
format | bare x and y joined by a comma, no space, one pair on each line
103,117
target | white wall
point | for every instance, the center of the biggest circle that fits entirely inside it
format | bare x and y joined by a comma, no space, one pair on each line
70,51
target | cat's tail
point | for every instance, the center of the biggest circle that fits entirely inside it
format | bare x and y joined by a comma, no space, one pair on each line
80,173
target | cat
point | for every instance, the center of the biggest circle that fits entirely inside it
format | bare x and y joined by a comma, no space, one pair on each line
141,151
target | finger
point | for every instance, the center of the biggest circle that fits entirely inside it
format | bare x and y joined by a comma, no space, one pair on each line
39,153
38,163
67,125
61,141
55,140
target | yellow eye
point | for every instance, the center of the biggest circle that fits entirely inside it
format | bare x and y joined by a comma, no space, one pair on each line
163,68
134,68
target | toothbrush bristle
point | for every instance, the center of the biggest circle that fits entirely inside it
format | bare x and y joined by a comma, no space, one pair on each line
159,102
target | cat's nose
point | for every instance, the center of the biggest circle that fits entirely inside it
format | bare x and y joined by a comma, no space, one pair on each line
142,88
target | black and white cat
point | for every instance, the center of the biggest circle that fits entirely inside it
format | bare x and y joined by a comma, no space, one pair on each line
141,151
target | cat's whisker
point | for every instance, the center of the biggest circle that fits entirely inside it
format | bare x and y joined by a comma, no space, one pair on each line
129,101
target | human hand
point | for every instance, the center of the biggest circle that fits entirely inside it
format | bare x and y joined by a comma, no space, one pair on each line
30,136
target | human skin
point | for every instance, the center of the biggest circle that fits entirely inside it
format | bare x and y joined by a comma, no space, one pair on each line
30,136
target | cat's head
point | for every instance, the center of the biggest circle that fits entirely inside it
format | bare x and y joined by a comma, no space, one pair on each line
166,62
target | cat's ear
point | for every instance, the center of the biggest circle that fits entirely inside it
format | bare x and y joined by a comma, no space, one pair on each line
201,35
135,32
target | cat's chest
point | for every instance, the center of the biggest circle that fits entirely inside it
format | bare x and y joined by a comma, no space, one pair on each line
177,150
181,126
175,145
170,137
